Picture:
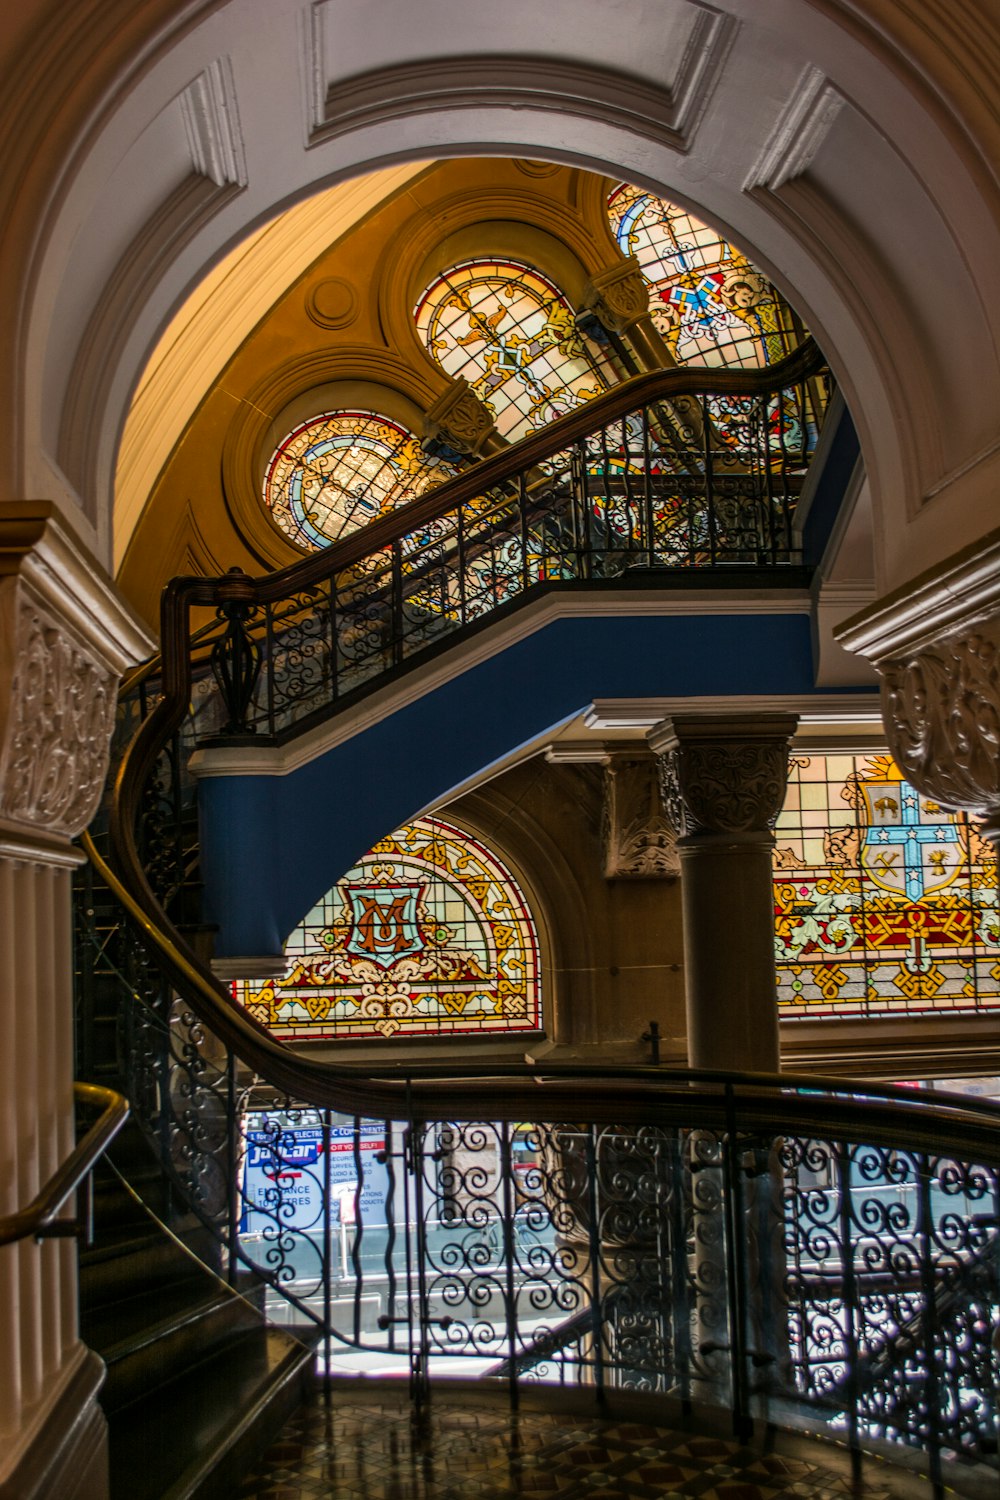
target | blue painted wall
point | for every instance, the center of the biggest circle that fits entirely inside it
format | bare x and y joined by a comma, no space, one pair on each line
271,846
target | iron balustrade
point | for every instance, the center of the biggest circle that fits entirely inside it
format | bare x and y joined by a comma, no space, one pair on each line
670,475
793,1250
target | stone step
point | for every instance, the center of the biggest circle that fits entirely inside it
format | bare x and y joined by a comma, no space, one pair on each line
194,1437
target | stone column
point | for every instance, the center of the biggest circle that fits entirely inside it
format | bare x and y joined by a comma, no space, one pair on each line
723,782
64,640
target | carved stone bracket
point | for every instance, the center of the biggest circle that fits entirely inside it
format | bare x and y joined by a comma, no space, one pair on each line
458,420
942,717
639,842
936,646
723,776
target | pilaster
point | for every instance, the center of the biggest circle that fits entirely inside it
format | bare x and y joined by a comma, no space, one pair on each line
65,638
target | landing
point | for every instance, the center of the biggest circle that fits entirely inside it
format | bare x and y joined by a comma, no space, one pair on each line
363,1446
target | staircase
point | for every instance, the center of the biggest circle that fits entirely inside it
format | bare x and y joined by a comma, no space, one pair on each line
197,1383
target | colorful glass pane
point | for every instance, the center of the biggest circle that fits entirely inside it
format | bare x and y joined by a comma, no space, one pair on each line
428,935
885,902
712,306
511,334
342,469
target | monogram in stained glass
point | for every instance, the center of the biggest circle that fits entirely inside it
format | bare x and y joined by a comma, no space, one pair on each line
711,305
342,469
508,331
428,935
885,901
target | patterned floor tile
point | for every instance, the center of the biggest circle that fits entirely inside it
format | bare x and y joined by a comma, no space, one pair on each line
349,1449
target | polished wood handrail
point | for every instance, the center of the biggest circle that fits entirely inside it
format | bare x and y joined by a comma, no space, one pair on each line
38,1219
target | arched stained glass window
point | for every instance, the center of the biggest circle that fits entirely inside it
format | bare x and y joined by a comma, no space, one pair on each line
342,469
712,306
428,935
512,335
885,902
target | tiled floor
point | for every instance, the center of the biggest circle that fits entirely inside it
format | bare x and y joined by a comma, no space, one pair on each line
370,1450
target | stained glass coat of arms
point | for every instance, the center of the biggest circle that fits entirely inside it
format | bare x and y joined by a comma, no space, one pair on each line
885,902
428,935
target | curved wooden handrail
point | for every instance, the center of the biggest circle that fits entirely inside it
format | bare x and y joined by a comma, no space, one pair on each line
775,1104
38,1219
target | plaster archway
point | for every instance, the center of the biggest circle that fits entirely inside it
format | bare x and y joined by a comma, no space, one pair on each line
843,158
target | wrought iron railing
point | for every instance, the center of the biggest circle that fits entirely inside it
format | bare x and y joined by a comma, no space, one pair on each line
675,472
794,1250
764,1244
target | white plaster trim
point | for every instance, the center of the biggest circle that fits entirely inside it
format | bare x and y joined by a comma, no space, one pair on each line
261,966
281,760
212,125
74,586
814,708
704,57
35,846
513,82
798,134
578,752
958,594
32,1420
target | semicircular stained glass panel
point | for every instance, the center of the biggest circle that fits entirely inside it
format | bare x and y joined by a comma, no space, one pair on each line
885,902
428,935
342,469
710,303
512,335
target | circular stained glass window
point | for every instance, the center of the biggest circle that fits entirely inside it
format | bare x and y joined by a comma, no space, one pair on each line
507,330
341,470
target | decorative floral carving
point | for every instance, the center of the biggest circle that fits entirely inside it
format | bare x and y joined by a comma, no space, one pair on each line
458,419
725,784
942,715
58,727
620,296
639,842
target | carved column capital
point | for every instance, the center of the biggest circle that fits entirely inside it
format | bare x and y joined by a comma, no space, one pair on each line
57,706
638,840
619,296
723,776
64,640
458,421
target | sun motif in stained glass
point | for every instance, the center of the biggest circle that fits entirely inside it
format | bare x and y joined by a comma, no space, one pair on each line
885,901
712,306
428,935
510,332
341,470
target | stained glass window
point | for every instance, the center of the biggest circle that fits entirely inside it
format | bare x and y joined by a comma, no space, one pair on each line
512,335
709,302
885,902
342,469
428,935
